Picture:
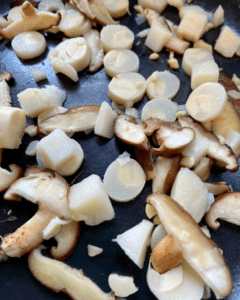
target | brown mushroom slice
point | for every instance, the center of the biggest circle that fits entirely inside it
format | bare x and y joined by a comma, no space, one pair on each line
216,150
8,177
95,10
229,85
145,159
166,255
50,191
197,249
79,118
226,207
173,141
31,21
33,170
166,170
217,188
67,239
60,277
129,132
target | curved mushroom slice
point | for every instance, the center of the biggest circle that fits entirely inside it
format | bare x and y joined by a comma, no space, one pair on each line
50,192
166,170
226,207
95,10
79,118
31,21
166,255
93,39
66,241
60,277
217,188
129,132
8,177
216,150
173,141
197,249
5,97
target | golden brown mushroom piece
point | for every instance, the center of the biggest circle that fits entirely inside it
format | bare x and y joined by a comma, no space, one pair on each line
95,10
79,118
217,188
31,21
226,207
216,150
197,249
129,132
8,177
59,277
50,191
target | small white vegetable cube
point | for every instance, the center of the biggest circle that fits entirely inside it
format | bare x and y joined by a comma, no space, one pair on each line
192,26
228,42
218,17
122,286
89,201
12,125
105,120
60,153
135,241
204,72
157,37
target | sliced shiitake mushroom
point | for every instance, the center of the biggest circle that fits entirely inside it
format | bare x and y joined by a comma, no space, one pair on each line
216,150
197,249
76,119
226,207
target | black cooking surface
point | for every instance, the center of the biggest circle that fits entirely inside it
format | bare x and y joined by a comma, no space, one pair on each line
16,281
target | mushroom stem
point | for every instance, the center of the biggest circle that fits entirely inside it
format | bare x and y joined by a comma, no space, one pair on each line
166,255
28,236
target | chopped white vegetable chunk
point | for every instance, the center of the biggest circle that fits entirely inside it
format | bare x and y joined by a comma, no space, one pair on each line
135,241
89,201
60,153
123,286
93,250
38,74
105,120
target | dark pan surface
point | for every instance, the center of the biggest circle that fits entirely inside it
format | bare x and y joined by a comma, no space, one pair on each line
16,281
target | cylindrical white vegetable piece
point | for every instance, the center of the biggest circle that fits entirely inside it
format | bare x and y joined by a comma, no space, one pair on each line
116,8
127,88
161,108
207,101
71,23
50,5
162,85
193,56
74,51
120,61
115,37
29,44
207,71
124,183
